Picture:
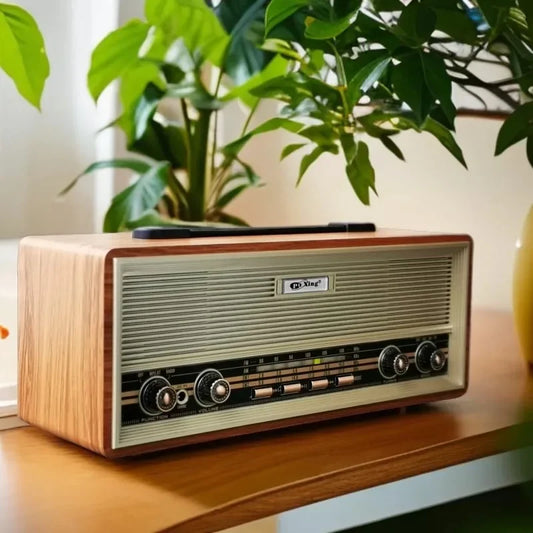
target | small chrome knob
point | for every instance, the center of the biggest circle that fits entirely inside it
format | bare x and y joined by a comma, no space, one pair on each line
220,391
428,358
157,396
210,388
437,360
392,362
166,399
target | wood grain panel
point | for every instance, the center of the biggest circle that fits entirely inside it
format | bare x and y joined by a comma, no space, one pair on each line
61,337
222,484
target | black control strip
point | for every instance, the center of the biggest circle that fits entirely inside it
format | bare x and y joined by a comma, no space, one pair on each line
333,368
191,232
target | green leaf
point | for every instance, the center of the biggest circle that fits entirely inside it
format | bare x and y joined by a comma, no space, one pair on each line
527,7
244,21
163,142
445,137
253,178
416,24
322,134
438,82
232,149
409,84
368,68
277,67
309,159
133,201
295,87
279,46
279,10
518,126
137,166
229,196
22,53
359,170
290,148
145,109
322,29
529,149
387,5
457,24
176,55
192,21
191,87
135,80
392,146
114,55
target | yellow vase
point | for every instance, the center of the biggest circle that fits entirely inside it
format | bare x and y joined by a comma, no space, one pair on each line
523,289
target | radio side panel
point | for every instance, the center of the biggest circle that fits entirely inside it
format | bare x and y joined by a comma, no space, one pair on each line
61,336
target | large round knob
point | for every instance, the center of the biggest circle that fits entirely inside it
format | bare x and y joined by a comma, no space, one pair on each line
428,357
210,388
392,362
157,396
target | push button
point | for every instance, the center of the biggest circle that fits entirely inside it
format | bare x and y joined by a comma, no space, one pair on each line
291,388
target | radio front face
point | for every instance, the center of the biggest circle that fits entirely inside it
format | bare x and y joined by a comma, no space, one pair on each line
219,341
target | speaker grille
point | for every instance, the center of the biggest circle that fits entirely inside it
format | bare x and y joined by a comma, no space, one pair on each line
180,309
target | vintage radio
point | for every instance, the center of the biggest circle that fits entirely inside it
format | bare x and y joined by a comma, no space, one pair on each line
129,344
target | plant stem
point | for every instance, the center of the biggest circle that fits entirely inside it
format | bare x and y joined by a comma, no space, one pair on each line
214,147
198,165
481,113
343,84
249,117
187,124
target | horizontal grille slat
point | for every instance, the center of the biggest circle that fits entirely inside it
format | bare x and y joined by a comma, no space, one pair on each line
227,313
346,317
202,309
223,296
259,341
340,266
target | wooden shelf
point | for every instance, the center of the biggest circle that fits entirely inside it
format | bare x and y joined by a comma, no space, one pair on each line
49,484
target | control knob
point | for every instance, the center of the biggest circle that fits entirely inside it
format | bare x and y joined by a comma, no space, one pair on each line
428,357
392,362
210,388
157,396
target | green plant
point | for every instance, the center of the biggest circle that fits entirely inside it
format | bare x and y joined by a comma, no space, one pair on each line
22,52
345,70
379,67
171,69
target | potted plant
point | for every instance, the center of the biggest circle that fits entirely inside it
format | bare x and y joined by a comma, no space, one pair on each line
173,70
347,68
380,67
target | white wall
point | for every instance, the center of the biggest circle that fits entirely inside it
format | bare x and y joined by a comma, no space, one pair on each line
429,192
41,153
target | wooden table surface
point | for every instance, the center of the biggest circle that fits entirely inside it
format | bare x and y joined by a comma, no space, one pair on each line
50,485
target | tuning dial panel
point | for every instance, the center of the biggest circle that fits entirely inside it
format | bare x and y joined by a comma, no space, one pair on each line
210,388
199,389
429,358
157,396
392,362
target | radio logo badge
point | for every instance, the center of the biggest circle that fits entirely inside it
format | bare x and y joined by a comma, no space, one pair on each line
300,285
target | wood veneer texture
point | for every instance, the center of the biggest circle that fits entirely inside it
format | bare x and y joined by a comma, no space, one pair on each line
65,326
61,340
